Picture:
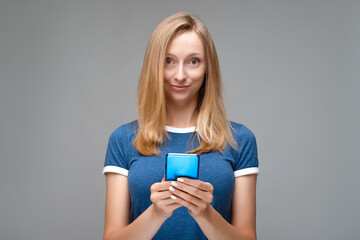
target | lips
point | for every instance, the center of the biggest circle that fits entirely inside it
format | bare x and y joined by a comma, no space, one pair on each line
179,87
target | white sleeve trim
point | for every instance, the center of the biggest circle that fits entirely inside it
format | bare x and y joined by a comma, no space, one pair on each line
115,169
246,171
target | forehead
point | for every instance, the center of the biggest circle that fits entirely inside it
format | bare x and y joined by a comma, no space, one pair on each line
186,43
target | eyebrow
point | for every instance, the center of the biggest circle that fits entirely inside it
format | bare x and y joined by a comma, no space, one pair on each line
190,55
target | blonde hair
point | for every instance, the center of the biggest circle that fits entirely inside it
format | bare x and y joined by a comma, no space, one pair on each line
213,127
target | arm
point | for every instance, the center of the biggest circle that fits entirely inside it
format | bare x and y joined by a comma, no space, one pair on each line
197,197
117,210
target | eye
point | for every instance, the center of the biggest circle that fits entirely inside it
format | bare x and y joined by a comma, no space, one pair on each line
194,61
168,60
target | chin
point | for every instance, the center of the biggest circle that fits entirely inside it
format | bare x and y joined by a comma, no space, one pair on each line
181,99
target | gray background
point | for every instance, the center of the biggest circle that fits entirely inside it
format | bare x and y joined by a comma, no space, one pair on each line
69,71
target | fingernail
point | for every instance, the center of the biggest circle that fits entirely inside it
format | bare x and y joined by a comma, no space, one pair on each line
174,184
180,179
172,189
173,197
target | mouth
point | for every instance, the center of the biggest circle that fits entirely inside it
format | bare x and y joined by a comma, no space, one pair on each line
178,87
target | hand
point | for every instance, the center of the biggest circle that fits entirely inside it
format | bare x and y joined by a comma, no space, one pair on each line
164,205
196,195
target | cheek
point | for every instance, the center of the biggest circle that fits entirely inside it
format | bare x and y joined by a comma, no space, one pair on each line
197,75
167,75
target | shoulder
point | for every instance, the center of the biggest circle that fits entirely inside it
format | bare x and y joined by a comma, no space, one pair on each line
127,130
241,132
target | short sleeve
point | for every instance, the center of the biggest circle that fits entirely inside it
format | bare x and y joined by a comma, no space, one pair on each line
248,157
115,158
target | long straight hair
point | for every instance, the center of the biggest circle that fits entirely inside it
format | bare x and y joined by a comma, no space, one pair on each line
213,127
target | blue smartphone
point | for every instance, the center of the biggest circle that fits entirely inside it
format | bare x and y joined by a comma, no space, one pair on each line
181,165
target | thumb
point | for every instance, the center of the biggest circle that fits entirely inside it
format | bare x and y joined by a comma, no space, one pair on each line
163,180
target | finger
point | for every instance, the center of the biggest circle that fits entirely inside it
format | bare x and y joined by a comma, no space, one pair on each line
205,186
162,186
159,196
188,197
174,206
187,204
163,179
166,202
205,196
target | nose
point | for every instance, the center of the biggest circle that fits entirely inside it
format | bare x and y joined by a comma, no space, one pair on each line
180,73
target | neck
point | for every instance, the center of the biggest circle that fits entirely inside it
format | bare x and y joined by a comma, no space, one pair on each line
181,115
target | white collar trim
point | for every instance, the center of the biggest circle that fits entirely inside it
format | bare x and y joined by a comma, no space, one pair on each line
180,130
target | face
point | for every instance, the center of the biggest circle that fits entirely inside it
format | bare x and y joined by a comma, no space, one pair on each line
184,69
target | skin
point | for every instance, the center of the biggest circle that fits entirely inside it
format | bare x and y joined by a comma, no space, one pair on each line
183,76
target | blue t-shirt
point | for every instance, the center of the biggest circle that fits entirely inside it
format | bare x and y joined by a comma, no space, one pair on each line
218,169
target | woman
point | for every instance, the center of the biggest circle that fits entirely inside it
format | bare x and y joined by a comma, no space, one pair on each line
181,110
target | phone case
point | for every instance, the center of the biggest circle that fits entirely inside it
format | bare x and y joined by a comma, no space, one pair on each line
181,165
